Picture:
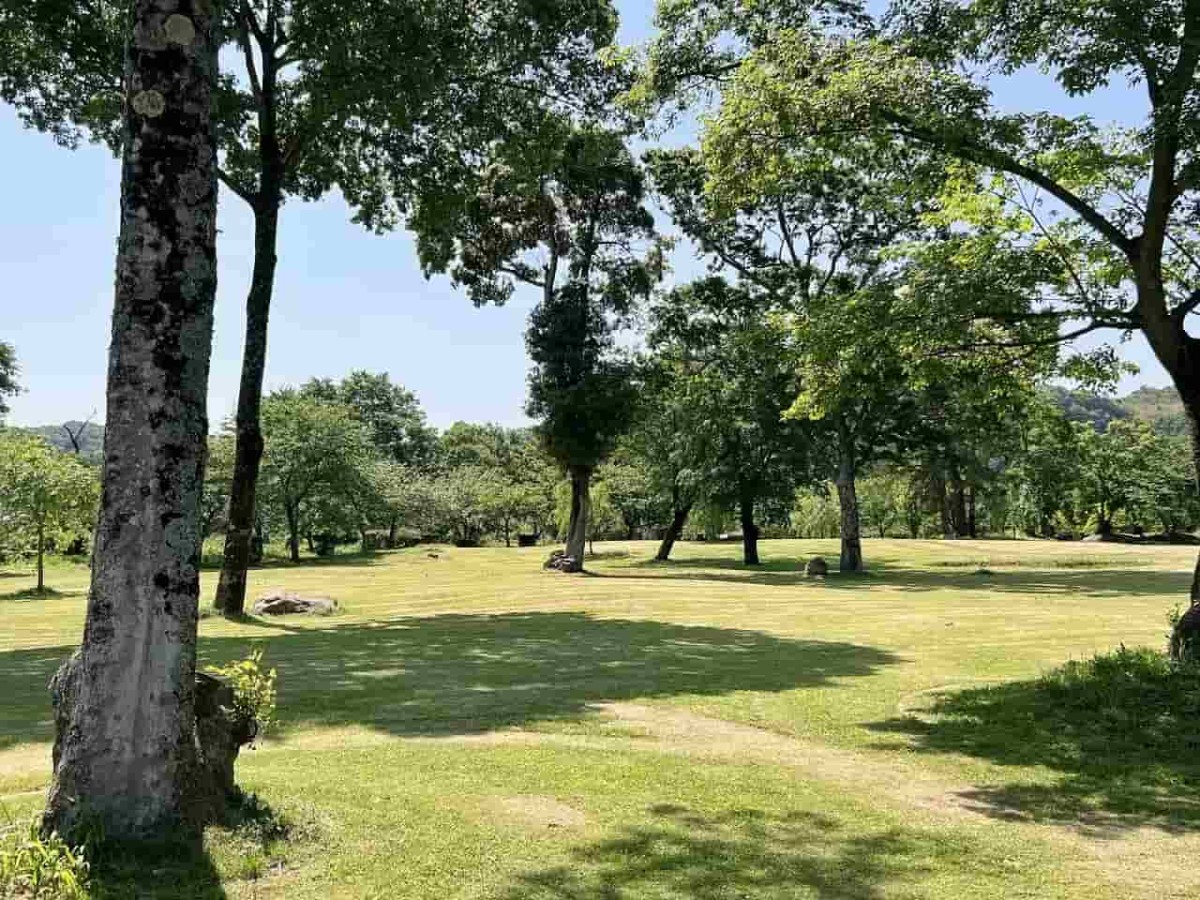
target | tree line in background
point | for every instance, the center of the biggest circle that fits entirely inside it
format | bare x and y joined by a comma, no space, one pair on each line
353,464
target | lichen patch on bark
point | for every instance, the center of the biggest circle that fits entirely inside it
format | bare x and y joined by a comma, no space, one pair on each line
179,29
149,104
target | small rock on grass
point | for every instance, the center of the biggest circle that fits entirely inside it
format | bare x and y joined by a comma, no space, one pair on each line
816,567
287,603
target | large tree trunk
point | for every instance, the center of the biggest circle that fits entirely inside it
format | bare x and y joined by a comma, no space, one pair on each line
581,477
749,531
1186,375
674,530
125,753
1178,352
851,559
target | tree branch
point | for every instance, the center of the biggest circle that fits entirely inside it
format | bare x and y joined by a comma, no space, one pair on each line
973,151
227,180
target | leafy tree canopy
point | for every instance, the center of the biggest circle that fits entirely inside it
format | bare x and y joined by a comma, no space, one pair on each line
391,413
382,98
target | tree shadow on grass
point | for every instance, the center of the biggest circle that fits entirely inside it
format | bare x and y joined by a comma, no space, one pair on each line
680,854
32,593
1101,582
213,562
1121,734
465,674
175,871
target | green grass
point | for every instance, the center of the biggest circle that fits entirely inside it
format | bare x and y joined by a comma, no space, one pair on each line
469,726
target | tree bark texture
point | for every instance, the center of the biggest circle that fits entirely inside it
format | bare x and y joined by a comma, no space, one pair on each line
125,752
581,477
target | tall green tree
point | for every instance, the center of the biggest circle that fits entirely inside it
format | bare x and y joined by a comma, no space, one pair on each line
1127,229
316,454
738,379
566,215
814,237
523,493
45,496
126,752
391,413
667,443
389,101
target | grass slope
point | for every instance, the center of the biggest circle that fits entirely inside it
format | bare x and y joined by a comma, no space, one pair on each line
470,726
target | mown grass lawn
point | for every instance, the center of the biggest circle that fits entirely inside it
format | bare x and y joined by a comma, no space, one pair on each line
471,726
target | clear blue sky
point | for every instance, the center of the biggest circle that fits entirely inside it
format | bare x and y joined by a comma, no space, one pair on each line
345,299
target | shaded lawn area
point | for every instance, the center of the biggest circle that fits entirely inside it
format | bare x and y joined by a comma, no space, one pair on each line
747,852
1120,733
461,674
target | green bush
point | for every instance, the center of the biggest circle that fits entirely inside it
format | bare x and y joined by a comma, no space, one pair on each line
253,687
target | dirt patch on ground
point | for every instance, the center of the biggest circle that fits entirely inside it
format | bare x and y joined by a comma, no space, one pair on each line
534,812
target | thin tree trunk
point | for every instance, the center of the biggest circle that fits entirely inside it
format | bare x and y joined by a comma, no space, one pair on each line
248,449
124,757
41,557
581,477
293,524
958,504
941,496
749,531
674,531
231,589
851,559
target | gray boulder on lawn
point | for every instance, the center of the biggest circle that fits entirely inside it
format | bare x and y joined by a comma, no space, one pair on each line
816,567
287,603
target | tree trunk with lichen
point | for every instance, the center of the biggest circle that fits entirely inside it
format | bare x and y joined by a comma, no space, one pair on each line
125,754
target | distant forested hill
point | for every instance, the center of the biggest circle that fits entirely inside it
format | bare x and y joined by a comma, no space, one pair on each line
1160,407
89,436
1095,409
